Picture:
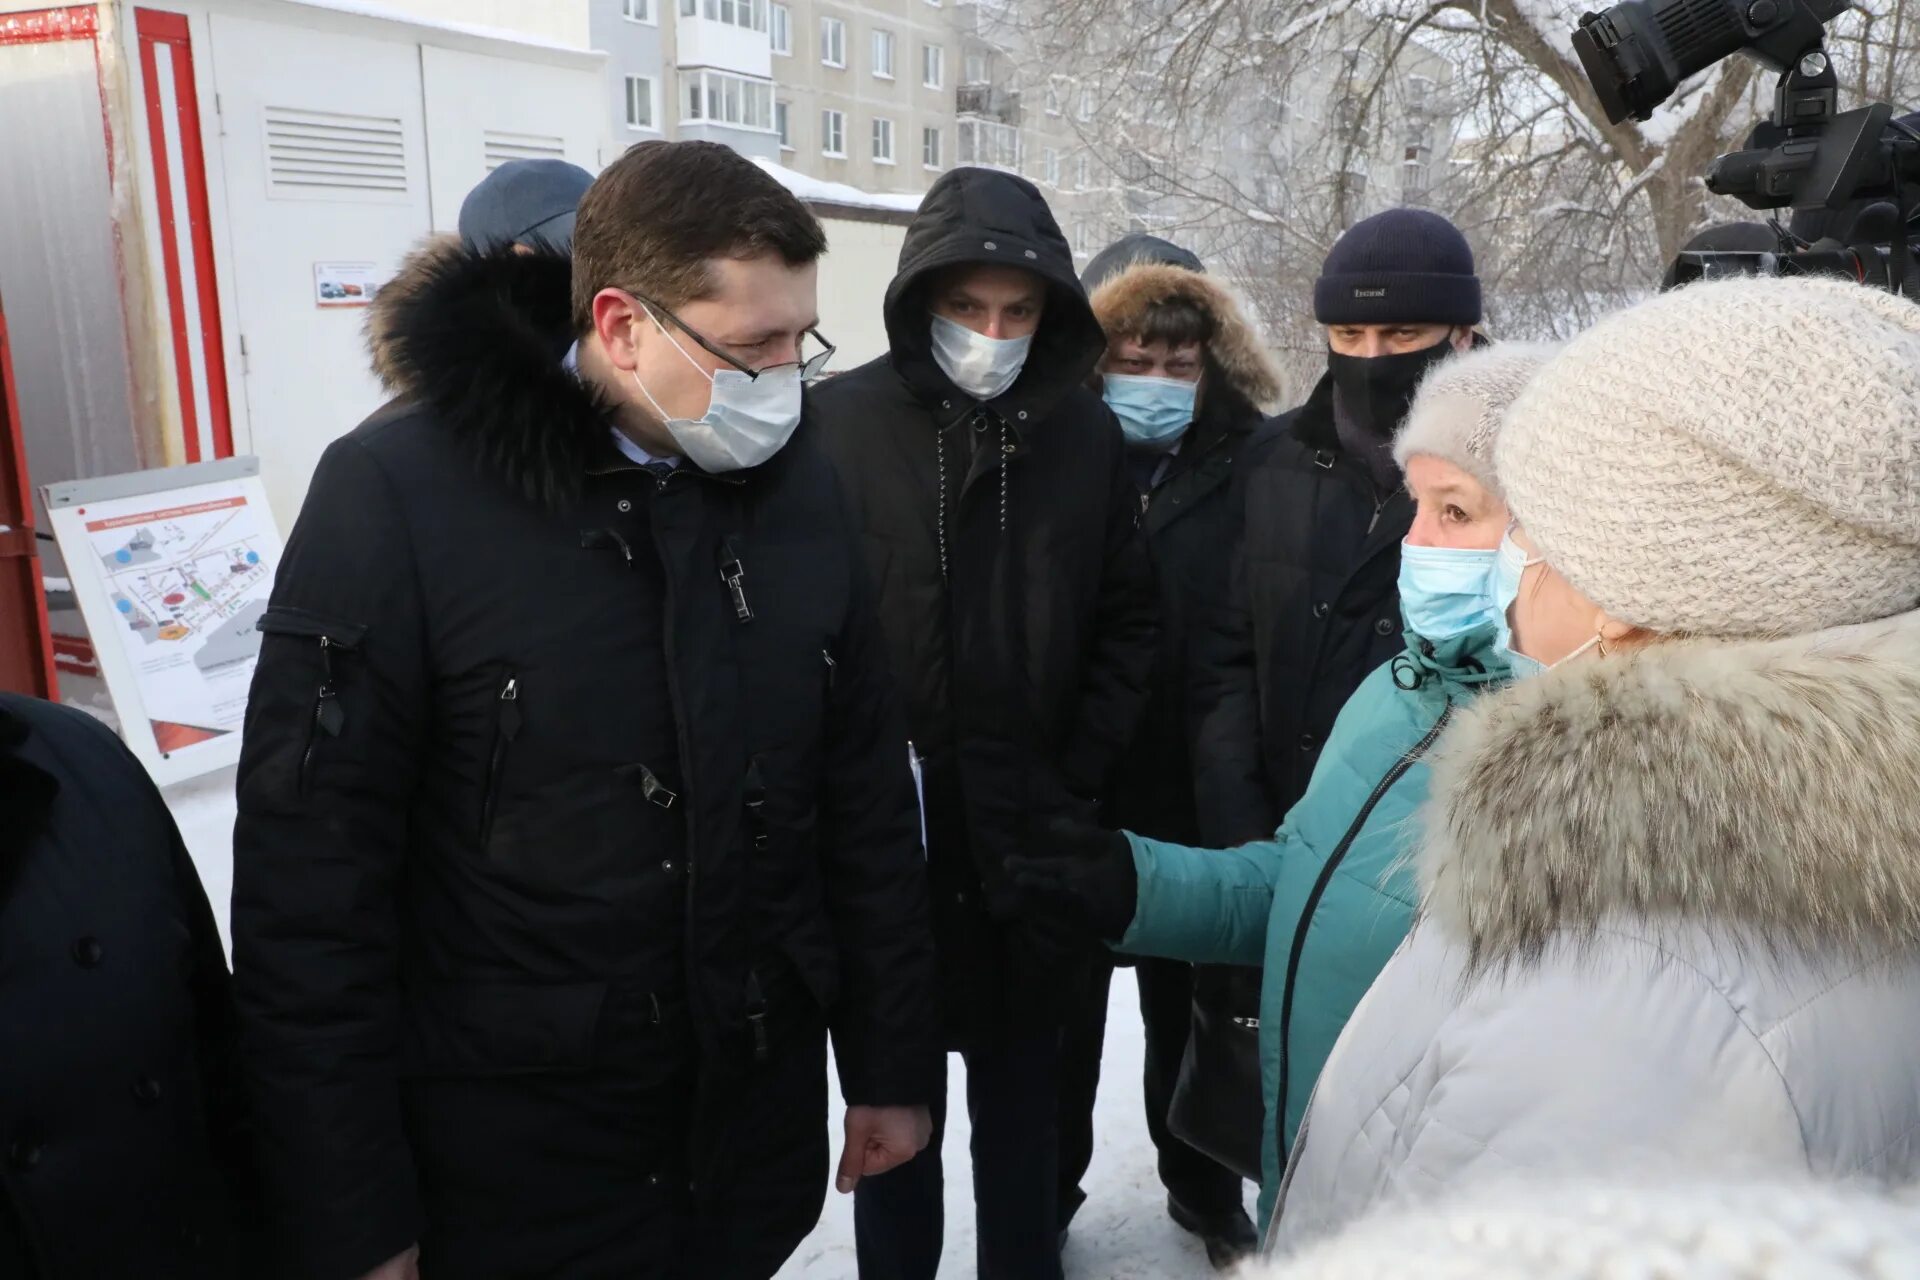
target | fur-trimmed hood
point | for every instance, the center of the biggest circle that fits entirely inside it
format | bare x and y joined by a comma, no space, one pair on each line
1121,304
477,339
1766,786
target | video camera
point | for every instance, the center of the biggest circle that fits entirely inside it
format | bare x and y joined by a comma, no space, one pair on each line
1807,155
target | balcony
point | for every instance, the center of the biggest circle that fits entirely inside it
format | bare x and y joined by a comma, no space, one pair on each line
728,35
991,102
989,144
984,18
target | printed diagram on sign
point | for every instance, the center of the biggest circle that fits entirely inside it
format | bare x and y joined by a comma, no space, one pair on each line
187,584
172,570
170,587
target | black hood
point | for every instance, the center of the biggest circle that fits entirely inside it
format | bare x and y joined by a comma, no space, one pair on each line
478,339
988,218
1137,248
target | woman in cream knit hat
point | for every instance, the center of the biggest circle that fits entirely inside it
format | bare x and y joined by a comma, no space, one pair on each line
1321,905
1670,887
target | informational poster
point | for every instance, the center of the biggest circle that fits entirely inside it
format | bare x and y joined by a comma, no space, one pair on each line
344,284
172,570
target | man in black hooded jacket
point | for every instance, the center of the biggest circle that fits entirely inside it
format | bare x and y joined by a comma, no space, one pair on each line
574,802
1017,598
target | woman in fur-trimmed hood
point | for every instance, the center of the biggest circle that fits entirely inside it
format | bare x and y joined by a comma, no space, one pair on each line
1190,380
1671,883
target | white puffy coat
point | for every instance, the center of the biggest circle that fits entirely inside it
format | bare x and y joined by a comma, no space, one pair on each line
1671,926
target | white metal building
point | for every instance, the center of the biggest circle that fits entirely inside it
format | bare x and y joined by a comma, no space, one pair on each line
209,195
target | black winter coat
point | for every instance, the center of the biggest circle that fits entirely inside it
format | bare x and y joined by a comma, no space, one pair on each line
1189,523
123,1149
574,802
1312,605
1016,592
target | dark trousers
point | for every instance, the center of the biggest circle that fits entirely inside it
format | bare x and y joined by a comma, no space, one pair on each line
1013,1092
1204,1187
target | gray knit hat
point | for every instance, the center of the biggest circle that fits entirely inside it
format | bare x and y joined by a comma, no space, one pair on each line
1739,458
1456,413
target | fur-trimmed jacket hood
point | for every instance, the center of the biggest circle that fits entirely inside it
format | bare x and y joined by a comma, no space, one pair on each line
1760,785
1672,924
479,339
1122,301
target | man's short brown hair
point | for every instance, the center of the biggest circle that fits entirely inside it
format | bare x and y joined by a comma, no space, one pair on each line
655,217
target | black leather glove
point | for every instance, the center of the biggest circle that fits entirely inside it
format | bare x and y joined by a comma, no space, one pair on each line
1081,876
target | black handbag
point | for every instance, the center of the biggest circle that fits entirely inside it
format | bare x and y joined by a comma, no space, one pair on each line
1217,1107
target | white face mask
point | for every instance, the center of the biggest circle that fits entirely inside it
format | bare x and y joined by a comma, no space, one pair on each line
982,367
747,421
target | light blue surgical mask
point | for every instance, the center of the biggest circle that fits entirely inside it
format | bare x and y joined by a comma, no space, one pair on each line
1445,591
1510,564
1153,412
982,367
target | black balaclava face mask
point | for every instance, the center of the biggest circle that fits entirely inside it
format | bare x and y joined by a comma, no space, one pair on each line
1376,391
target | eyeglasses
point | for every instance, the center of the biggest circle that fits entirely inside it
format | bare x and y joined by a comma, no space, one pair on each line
810,366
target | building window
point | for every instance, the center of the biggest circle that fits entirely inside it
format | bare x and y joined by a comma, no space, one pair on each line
640,103
976,68
882,141
1050,167
833,134
1083,237
933,66
930,147
1085,111
751,14
883,55
714,97
637,10
1082,172
1053,99
780,28
833,42
783,125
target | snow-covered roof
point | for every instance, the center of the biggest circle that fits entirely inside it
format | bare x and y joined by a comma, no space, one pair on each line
820,191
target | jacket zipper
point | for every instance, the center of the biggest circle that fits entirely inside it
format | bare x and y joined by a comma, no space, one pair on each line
1312,905
329,717
506,727
734,575
695,996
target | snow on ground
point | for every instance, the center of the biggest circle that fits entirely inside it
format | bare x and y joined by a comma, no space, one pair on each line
1122,1233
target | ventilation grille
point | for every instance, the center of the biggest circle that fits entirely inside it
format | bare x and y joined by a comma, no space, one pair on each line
502,147
325,154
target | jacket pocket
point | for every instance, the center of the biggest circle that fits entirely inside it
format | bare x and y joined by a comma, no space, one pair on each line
506,728
332,639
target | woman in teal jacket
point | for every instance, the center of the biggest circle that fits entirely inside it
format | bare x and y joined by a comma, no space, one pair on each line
1324,903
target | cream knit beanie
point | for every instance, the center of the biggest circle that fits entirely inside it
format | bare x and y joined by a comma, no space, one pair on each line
1739,458
1455,414
1600,1231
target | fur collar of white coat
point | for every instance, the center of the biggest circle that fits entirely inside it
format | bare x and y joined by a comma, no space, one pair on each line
1770,786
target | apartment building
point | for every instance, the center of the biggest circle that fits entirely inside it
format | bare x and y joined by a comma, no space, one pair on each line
1015,112
852,91
866,90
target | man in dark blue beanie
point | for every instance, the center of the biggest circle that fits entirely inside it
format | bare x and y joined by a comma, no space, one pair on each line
1312,601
